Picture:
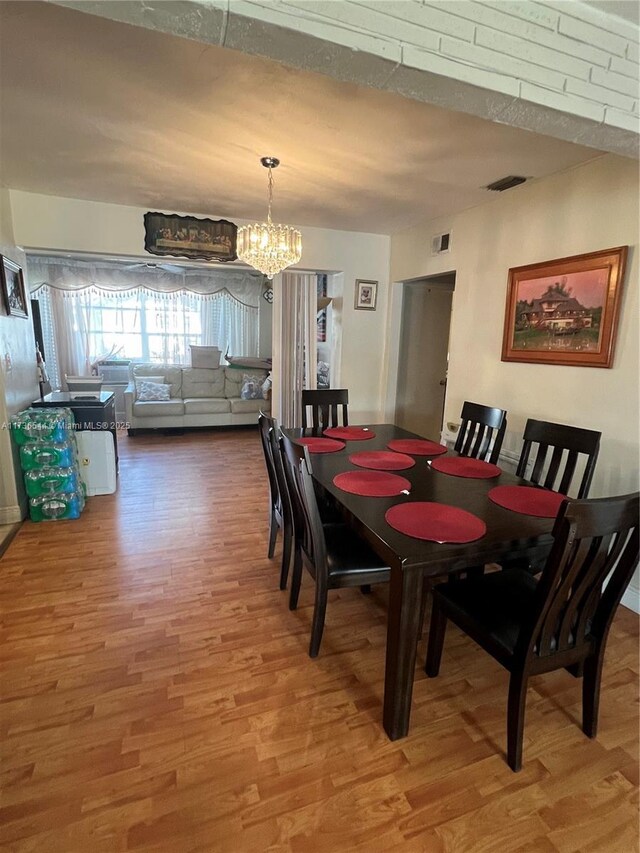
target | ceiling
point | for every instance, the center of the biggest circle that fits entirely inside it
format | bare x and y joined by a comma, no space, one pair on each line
100,110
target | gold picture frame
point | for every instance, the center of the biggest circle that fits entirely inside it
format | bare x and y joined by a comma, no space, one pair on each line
565,311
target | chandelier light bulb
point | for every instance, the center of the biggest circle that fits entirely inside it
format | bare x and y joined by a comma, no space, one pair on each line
267,246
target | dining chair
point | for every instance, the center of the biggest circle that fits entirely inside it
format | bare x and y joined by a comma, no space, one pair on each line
569,445
333,554
561,620
276,520
480,425
287,512
553,474
324,405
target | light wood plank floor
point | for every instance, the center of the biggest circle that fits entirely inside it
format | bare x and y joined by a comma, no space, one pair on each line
157,696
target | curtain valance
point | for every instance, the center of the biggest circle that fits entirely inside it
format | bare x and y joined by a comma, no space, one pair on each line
75,275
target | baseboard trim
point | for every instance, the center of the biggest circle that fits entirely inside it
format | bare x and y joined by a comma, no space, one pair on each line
11,514
7,537
631,599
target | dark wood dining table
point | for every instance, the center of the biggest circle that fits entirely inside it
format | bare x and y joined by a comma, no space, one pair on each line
411,560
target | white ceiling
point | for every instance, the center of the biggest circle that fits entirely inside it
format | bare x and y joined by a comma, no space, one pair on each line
102,110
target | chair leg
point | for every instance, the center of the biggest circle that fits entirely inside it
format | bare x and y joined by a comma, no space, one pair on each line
273,531
437,629
515,719
426,586
287,541
365,589
591,693
317,626
296,577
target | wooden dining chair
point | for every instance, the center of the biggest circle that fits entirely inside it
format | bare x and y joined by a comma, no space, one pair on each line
568,445
479,427
324,408
333,554
556,473
562,620
276,520
287,510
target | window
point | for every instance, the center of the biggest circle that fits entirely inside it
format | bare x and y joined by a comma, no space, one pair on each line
84,326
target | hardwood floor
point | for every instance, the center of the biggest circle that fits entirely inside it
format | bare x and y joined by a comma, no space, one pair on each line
157,695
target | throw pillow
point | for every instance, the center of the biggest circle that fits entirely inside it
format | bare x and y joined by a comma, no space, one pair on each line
153,392
251,387
205,356
140,379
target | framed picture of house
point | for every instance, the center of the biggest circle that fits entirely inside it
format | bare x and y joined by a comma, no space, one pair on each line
14,295
366,294
565,311
190,237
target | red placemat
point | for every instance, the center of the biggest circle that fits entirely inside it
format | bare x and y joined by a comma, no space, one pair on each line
462,466
417,446
350,433
377,484
382,460
321,445
435,522
528,500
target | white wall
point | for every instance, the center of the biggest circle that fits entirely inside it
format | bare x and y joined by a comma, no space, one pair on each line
590,207
18,378
75,225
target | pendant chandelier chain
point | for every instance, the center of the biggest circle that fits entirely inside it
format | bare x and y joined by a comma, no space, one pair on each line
270,195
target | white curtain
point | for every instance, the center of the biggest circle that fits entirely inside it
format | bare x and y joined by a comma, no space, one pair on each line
93,309
74,274
295,361
83,327
71,318
230,326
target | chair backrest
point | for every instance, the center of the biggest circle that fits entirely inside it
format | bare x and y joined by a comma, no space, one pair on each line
324,408
592,540
286,504
309,523
266,423
479,423
561,438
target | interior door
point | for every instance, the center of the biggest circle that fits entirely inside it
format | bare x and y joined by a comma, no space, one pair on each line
423,357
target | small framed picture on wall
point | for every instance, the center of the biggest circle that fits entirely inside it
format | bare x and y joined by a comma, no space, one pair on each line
13,292
366,294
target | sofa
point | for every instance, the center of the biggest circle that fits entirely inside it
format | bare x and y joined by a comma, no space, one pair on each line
199,397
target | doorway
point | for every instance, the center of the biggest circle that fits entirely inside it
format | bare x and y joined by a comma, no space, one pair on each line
424,354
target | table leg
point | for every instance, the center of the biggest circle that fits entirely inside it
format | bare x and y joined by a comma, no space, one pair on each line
402,638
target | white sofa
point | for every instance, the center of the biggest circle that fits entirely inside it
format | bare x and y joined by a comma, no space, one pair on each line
199,397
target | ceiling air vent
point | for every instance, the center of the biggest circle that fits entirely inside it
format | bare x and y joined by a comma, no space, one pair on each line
506,183
441,243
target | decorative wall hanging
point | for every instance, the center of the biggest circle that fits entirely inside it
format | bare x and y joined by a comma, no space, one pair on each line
366,294
13,292
190,237
565,311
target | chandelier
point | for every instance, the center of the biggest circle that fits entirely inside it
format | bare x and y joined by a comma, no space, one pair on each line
266,246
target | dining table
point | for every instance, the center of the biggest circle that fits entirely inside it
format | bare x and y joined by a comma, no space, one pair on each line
412,560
